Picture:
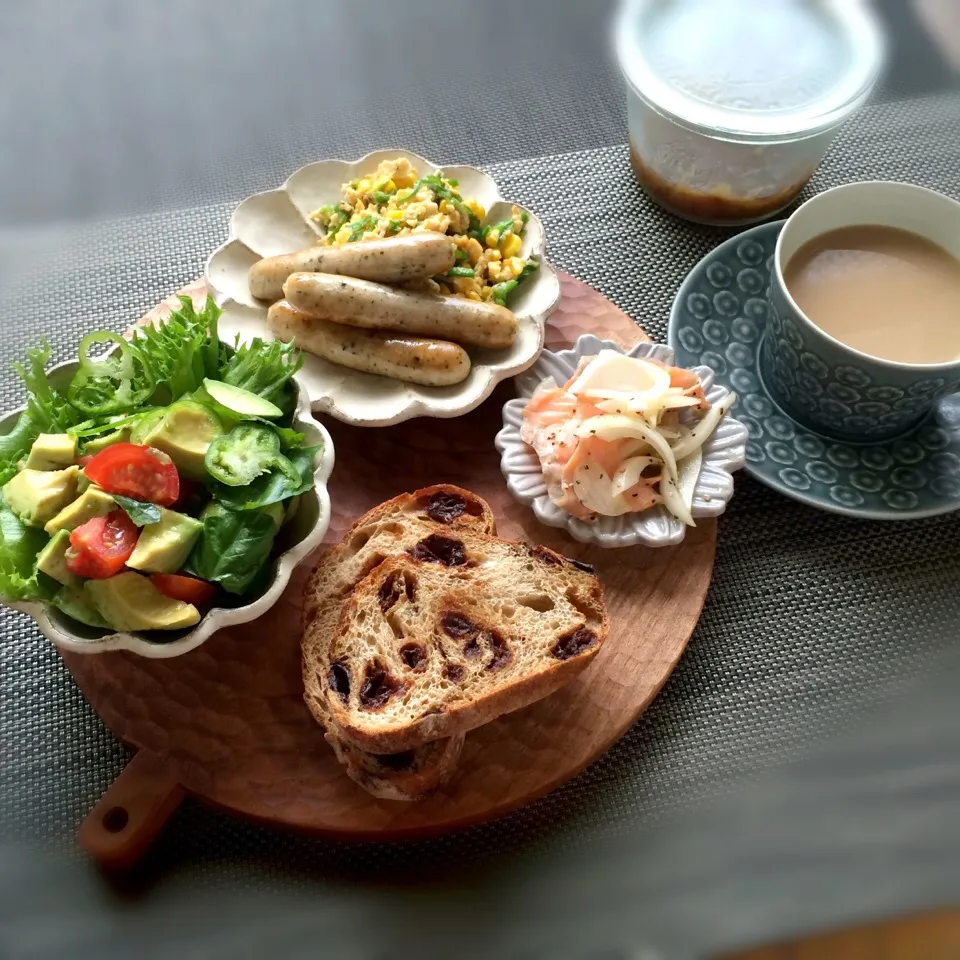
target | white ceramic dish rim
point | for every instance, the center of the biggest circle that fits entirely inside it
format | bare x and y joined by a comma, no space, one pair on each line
544,287
723,453
219,617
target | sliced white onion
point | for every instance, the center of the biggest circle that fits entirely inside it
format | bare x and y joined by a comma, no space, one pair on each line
673,501
694,438
621,427
688,470
613,406
676,403
594,489
629,474
631,448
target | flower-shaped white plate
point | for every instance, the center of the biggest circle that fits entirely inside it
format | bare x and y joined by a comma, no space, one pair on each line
300,536
723,452
276,222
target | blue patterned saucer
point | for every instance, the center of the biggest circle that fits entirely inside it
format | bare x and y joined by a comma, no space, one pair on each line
718,319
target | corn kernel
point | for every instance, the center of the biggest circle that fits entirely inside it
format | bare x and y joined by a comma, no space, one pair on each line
474,251
510,245
493,238
395,215
493,272
473,295
405,177
516,265
343,234
364,185
486,293
494,255
476,209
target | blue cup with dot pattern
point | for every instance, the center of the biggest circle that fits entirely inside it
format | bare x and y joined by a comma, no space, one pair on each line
824,383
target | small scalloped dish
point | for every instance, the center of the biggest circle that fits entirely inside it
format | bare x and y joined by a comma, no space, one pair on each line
301,534
278,222
722,453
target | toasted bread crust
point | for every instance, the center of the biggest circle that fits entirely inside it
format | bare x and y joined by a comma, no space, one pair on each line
364,545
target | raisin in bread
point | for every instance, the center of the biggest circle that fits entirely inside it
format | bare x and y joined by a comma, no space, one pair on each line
462,628
385,530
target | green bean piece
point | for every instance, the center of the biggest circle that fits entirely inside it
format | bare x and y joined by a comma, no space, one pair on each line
361,227
461,272
502,290
531,266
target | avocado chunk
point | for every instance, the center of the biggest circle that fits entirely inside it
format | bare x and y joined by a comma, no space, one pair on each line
93,502
140,428
52,560
164,546
36,496
183,433
52,451
74,602
107,440
128,601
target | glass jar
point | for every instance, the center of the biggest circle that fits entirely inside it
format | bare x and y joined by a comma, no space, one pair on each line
732,104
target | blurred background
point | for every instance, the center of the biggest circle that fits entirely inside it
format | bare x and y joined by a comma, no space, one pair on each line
113,108
127,131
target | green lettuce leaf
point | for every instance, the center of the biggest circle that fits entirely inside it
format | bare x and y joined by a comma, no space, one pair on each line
264,369
233,548
47,411
19,546
183,350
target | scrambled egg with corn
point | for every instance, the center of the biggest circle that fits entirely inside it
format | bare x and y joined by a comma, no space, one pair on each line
395,200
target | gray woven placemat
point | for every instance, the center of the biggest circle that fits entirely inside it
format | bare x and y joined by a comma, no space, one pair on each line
150,106
813,622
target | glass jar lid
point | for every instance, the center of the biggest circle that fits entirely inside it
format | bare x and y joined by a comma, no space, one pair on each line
750,69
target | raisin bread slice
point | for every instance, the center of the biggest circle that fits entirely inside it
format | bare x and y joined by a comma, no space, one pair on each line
385,530
463,628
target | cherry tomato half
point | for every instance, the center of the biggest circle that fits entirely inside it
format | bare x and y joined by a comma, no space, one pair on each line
142,473
187,589
84,460
100,547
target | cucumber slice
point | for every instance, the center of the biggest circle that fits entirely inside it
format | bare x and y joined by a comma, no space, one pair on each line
241,401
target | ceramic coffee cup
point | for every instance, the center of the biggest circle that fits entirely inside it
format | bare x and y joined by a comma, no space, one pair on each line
824,383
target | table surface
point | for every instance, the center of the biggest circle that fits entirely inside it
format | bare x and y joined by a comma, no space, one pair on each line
801,769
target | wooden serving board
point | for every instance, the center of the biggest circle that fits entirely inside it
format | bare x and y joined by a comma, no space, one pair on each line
227,722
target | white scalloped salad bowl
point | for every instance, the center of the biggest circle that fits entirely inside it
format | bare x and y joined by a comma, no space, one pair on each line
723,453
277,222
300,536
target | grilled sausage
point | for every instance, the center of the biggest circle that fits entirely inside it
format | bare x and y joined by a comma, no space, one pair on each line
391,260
360,303
432,363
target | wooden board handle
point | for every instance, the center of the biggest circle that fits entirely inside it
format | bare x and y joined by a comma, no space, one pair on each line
130,815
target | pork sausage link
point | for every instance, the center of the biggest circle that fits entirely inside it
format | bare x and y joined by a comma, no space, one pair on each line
431,363
360,303
391,260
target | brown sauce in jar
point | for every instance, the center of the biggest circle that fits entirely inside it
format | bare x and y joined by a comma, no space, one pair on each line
717,207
